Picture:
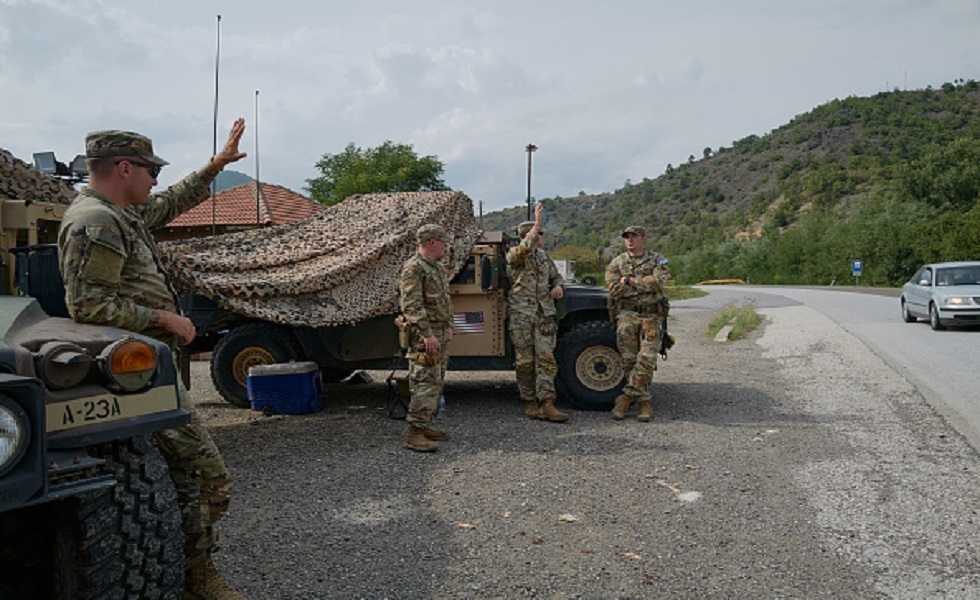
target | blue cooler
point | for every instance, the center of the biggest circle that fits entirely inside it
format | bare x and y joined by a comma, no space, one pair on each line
289,389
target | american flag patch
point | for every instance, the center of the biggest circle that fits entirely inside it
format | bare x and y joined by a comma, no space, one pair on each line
468,322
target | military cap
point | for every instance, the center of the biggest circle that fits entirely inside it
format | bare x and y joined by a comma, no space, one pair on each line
112,142
640,231
431,231
524,227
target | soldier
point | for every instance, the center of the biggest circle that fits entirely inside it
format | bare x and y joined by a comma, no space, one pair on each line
109,261
427,314
533,323
635,280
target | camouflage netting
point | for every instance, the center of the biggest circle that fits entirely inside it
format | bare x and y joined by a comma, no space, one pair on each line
339,266
20,180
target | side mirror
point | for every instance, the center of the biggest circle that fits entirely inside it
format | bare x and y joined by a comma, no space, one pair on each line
488,274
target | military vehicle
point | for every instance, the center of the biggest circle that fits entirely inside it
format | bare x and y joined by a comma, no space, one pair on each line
243,329
87,507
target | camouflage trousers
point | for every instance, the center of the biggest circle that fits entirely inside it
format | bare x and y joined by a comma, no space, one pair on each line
203,482
534,356
638,339
425,383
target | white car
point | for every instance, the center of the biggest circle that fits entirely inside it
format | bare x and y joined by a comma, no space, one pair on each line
945,293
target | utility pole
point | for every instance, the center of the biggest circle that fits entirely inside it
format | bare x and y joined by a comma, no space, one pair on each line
530,149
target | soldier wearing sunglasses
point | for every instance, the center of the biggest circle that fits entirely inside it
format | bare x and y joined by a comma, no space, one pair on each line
110,264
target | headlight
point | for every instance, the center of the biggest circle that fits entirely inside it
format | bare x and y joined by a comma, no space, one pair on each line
128,364
61,365
14,434
958,301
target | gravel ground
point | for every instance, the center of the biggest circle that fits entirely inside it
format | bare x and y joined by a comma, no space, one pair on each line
767,472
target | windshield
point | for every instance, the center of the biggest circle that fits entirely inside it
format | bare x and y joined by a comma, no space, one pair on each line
969,275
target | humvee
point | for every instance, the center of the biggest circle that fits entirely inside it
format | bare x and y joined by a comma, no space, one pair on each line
590,373
87,507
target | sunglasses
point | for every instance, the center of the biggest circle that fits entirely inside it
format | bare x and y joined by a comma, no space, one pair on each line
153,169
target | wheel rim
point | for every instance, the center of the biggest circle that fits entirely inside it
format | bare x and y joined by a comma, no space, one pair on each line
249,357
599,368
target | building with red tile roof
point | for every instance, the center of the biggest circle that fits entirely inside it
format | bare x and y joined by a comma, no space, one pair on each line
240,208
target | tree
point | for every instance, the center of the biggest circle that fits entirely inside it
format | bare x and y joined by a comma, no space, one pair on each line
390,167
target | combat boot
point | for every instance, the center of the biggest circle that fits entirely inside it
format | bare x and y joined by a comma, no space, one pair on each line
202,582
623,403
434,434
531,409
646,411
548,412
416,440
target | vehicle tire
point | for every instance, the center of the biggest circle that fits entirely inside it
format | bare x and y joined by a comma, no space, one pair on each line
934,321
124,541
590,370
246,346
906,315
588,280
328,375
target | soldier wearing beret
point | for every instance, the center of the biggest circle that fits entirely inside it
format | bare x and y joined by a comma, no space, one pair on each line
427,313
533,324
109,262
636,282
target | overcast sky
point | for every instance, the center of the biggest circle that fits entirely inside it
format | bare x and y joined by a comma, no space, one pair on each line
608,91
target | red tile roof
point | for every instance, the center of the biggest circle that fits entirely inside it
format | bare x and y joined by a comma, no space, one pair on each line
237,206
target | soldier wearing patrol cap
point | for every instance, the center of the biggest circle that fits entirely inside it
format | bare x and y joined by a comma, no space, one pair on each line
427,314
535,286
109,262
636,282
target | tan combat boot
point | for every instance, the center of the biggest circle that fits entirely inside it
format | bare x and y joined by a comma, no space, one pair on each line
416,440
531,409
646,411
434,434
623,403
202,582
548,412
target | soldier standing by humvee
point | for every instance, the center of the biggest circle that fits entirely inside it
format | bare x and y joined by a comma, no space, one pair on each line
425,322
110,265
636,281
533,320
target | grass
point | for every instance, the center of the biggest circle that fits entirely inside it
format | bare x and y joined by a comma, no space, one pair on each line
744,320
683,292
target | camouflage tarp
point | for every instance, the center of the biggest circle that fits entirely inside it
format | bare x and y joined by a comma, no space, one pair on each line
339,266
21,181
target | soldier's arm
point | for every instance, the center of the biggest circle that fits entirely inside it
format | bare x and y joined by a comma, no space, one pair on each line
613,276
554,278
193,189
411,293
92,259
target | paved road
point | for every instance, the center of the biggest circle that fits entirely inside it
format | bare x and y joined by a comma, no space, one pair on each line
941,364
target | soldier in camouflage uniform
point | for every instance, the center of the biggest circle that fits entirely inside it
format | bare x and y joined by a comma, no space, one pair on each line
427,314
636,281
533,322
109,261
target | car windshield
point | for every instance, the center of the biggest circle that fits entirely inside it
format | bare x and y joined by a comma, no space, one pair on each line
958,276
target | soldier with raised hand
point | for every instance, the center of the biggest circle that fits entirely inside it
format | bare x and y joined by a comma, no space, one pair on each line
110,264
636,281
427,313
535,286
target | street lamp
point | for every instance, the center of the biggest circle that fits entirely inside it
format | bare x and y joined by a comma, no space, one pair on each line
530,148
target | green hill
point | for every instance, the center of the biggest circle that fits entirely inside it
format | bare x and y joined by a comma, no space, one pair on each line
893,180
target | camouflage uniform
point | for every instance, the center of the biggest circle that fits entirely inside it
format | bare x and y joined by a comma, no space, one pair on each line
639,321
426,306
108,260
533,320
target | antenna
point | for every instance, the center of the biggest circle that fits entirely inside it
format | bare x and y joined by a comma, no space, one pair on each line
214,140
258,181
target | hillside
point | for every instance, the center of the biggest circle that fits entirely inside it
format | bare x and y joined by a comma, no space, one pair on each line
893,179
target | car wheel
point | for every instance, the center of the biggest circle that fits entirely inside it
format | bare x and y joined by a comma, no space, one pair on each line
906,315
124,541
934,321
244,347
590,370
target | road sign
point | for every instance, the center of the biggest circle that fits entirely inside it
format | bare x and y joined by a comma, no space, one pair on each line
856,270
